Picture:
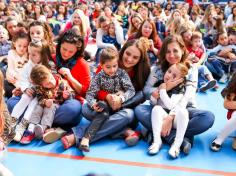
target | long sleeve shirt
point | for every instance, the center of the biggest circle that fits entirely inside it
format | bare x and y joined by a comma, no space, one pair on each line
112,84
15,64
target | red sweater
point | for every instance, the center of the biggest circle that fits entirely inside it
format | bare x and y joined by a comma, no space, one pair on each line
81,73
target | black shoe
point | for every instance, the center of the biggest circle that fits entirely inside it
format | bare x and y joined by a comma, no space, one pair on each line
186,146
215,147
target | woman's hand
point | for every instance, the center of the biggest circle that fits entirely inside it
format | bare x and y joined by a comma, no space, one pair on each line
65,72
48,103
166,126
171,84
29,92
17,92
156,94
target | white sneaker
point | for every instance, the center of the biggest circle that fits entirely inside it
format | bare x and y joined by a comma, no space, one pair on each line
154,148
18,136
174,151
38,131
223,79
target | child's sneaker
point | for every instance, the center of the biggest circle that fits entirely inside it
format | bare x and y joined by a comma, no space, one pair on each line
39,131
20,129
154,148
53,134
208,85
234,144
27,137
215,147
223,79
174,151
186,146
84,145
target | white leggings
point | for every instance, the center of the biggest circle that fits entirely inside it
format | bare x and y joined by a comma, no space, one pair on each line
20,107
229,127
180,123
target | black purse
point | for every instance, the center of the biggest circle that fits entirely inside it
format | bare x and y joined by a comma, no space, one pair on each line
137,99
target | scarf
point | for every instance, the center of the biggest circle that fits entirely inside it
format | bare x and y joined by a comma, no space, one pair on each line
70,63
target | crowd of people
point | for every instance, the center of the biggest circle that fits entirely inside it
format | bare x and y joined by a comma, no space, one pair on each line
151,60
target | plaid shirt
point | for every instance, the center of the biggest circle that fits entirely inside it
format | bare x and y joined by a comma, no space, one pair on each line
4,48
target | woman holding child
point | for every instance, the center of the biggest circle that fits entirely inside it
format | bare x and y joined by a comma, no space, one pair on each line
72,67
173,51
133,59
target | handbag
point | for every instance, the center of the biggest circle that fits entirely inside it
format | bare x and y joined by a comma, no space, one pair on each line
137,99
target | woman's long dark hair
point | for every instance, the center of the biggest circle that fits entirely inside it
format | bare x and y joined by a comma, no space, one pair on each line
142,68
162,55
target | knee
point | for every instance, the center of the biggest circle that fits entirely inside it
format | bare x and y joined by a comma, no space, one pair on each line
129,117
209,119
157,108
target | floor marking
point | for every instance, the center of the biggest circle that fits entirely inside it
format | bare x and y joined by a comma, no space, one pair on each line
122,162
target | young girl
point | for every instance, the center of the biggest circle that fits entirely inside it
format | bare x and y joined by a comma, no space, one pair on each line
229,94
17,58
41,31
110,79
39,53
164,107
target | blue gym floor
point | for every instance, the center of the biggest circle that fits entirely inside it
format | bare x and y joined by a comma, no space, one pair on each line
113,157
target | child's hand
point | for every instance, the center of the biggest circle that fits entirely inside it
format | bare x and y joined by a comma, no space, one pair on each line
48,103
29,92
162,86
97,108
156,94
66,94
171,84
17,91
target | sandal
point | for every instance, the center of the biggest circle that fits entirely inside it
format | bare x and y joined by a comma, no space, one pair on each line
66,143
132,140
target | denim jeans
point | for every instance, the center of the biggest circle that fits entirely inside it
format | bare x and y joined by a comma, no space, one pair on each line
199,121
67,115
114,124
202,72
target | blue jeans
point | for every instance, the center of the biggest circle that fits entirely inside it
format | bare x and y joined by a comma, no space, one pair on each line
67,115
114,124
202,72
199,121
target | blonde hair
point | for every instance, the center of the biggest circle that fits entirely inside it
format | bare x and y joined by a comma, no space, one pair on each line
83,26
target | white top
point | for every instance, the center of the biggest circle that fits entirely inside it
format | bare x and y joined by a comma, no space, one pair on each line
24,81
230,21
15,64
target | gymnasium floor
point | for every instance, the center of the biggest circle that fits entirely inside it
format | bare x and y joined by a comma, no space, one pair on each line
113,157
